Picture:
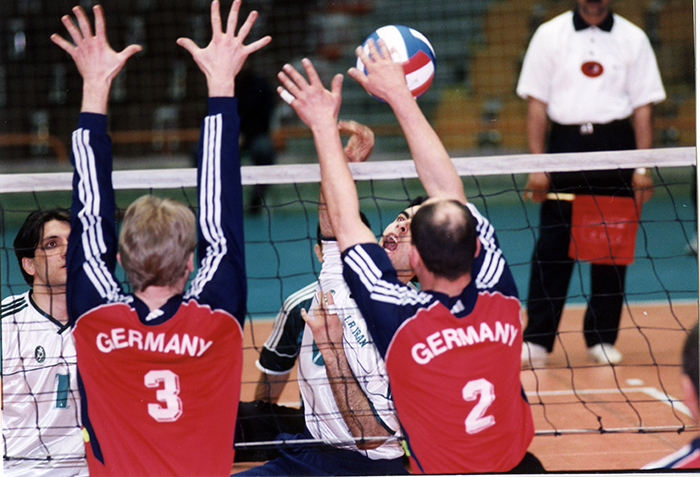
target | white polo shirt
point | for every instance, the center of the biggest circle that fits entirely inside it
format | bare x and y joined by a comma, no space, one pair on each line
590,74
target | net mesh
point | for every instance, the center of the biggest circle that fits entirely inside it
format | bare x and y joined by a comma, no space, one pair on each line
157,103
571,395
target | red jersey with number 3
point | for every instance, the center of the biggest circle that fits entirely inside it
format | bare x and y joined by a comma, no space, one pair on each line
167,378
481,410
159,387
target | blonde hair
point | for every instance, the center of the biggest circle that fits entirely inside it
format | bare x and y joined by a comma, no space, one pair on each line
156,240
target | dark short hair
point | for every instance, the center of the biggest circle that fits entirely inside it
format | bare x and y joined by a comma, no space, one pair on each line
31,232
691,357
418,200
444,233
319,237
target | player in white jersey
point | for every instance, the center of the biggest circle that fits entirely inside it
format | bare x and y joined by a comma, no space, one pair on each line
41,426
263,419
346,399
324,414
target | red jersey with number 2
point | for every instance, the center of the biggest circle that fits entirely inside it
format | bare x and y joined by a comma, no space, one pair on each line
482,411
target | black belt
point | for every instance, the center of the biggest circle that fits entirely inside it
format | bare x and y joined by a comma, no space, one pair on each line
590,128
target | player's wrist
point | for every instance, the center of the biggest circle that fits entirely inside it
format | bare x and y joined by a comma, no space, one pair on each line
220,87
95,97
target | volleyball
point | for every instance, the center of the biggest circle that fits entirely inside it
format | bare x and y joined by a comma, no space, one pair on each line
410,48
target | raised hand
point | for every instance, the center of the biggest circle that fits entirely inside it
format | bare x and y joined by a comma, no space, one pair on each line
225,54
97,62
385,78
325,324
361,141
313,103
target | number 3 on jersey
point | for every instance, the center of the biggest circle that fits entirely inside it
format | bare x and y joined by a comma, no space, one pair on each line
482,390
169,388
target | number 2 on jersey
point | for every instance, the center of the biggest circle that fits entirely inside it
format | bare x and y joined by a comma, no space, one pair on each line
482,390
169,388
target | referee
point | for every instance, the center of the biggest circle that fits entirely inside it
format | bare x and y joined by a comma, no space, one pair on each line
590,77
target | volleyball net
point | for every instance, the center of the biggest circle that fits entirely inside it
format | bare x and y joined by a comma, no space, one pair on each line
571,394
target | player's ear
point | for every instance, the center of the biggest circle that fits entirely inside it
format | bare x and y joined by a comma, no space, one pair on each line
119,259
415,259
190,262
478,247
28,266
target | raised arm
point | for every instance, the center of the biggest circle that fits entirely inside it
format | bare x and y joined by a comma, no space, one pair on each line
385,79
92,245
221,280
318,109
97,62
357,149
351,400
223,58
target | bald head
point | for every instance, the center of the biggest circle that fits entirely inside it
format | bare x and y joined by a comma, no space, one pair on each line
444,233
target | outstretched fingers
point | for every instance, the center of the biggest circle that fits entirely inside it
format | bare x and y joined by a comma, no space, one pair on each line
188,45
246,27
311,72
310,100
64,44
257,44
292,80
72,29
379,50
337,86
216,16
129,51
100,30
83,22
96,61
233,17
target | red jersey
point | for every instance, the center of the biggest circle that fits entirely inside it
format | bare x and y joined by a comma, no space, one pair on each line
453,362
456,387
167,379
160,387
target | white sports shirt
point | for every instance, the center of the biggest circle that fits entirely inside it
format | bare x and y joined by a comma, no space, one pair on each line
41,429
590,75
322,416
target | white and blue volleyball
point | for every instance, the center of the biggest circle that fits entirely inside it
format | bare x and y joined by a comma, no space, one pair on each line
410,48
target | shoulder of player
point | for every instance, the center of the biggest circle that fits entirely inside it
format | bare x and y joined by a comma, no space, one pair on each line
369,271
484,228
300,298
14,304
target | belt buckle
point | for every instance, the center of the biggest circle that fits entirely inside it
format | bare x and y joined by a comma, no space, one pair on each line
586,129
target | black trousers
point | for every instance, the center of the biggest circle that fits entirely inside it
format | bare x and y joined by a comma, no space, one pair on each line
550,275
261,421
529,465
551,267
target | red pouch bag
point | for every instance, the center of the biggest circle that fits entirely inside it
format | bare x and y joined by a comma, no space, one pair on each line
603,229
